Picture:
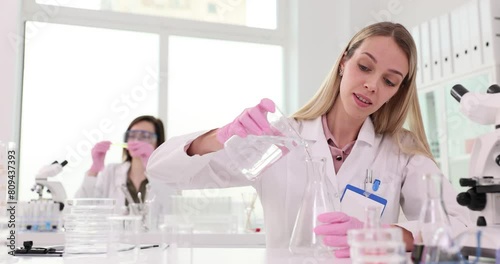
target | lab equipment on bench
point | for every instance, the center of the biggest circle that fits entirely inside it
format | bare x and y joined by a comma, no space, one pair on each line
39,216
434,241
252,154
374,243
249,200
315,201
483,196
43,214
86,225
28,250
123,241
55,188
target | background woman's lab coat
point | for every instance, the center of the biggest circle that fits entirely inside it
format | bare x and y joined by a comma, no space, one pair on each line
106,184
281,186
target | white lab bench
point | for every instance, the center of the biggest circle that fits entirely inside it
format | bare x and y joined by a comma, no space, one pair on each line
207,248
243,240
199,256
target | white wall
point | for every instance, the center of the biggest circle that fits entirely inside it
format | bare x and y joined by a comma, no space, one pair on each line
9,64
365,12
317,29
414,12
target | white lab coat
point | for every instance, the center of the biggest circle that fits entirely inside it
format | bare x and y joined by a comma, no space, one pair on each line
106,184
281,186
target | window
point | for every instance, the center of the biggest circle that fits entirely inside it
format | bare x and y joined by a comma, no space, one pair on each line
250,13
86,50
211,81
82,85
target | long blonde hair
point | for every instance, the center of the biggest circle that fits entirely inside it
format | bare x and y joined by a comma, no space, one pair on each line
390,118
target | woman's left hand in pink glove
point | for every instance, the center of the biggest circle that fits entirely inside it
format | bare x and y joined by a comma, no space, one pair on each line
142,150
334,231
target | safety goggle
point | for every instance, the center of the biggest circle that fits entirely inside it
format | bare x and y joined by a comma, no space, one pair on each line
140,135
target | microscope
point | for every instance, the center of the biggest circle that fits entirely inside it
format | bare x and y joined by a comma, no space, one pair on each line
55,188
483,195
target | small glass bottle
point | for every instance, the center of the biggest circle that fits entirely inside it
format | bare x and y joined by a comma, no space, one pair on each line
316,200
434,242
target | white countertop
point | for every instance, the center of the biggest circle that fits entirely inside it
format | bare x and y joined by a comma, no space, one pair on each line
199,256
249,240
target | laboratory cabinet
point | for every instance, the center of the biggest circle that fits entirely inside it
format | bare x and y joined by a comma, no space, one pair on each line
451,134
461,46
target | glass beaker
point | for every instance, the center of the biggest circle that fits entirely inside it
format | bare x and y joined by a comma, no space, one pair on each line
434,241
123,239
316,200
144,211
177,235
253,154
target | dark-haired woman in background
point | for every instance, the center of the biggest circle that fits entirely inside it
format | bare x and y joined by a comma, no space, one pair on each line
143,135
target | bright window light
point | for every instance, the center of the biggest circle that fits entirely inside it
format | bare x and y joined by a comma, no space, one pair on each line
82,85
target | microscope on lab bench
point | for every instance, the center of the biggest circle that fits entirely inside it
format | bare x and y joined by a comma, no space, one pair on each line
55,188
44,213
483,195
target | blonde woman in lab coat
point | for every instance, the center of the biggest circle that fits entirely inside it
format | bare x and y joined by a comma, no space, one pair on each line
143,135
355,120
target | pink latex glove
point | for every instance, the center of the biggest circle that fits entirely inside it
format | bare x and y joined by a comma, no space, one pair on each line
335,231
98,153
140,149
252,121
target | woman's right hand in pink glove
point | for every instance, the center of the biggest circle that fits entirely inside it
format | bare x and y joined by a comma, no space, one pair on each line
252,121
334,229
98,154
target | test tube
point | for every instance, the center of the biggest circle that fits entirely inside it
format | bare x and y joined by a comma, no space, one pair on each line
22,216
47,215
55,216
36,216
119,144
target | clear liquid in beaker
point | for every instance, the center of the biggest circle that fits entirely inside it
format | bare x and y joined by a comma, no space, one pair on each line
256,153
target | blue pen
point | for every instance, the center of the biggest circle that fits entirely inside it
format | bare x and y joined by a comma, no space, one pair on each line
376,185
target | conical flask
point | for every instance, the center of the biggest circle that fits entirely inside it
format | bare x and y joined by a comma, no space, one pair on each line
434,242
316,200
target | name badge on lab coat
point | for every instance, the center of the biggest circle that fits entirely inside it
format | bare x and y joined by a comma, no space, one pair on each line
354,201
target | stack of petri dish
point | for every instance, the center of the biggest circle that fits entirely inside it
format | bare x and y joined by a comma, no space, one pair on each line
86,225
377,245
